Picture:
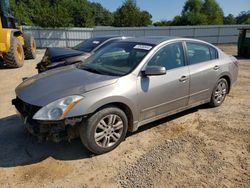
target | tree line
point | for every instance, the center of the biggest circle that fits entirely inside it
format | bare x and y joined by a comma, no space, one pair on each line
205,12
82,13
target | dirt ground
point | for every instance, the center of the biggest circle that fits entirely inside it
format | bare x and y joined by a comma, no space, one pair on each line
201,147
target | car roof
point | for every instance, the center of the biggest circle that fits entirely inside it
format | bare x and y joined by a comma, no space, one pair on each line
106,37
154,40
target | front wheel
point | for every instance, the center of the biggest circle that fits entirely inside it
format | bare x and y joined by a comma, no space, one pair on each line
104,130
219,93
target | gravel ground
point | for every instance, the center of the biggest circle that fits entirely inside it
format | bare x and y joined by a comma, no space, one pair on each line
201,147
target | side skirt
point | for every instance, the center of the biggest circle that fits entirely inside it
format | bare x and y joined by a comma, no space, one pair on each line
139,124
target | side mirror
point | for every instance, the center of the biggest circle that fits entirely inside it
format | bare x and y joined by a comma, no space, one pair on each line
154,71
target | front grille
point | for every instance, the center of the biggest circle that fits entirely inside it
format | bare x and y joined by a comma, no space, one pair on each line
27,110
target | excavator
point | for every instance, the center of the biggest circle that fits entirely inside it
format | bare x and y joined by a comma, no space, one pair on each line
15,45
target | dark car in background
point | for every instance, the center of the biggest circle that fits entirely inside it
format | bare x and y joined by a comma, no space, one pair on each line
57,57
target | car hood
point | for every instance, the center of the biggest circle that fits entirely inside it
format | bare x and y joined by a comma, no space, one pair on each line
47,87
58,54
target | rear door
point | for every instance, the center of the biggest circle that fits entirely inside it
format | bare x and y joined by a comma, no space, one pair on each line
204,70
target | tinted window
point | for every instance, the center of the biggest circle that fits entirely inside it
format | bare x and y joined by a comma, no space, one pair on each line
89,44
198,53
117,59
170,57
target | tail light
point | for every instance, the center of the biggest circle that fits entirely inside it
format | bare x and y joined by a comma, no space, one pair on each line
236,62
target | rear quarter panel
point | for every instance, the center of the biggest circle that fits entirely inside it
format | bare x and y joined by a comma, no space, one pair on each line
228,67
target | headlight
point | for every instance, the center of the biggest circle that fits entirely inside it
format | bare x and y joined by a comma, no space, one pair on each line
58,109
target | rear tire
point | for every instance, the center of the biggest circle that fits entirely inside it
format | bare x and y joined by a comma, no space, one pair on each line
219,93
104,130
29,46
15,57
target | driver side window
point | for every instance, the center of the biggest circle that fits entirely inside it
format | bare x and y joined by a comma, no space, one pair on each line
170,56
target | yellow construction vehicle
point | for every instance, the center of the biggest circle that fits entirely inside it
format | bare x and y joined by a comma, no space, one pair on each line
15,46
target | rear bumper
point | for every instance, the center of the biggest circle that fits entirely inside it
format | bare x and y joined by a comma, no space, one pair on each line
55,131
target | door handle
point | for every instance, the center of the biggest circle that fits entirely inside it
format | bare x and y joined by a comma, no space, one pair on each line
183,79
216,67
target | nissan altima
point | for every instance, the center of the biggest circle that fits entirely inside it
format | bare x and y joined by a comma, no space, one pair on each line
123,86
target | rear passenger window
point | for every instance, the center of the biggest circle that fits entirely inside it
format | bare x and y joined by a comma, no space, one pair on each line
198,53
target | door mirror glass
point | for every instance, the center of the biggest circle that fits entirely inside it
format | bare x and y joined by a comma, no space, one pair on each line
154,71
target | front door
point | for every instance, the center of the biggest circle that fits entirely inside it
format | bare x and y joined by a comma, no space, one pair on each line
159,95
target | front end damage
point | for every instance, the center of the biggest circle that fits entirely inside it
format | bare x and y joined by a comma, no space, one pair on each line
55,131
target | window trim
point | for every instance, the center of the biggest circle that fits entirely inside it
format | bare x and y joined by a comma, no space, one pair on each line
204,44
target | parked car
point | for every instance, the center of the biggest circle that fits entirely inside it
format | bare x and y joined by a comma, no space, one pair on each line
125,85
58,57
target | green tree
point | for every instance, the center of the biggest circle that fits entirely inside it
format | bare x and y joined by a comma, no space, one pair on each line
163,23
213,12
191,14
61,13
53,13
192,6
199,12
101,15
145,19
129,15
229,19
243,18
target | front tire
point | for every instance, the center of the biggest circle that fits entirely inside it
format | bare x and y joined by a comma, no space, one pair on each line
219,93
104,130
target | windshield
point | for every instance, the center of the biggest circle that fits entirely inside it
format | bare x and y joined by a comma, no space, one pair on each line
89,44
117,59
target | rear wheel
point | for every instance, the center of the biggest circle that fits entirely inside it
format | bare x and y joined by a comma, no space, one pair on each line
219,93
15,57
104,130
29,46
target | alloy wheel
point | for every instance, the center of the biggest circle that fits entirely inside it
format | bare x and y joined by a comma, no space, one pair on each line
220,92
109,131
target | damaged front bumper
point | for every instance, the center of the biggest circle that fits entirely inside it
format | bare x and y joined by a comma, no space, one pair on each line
55,131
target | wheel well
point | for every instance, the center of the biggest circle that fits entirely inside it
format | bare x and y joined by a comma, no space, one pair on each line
228,82
125,109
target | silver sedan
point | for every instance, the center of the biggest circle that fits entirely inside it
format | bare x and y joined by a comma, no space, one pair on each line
125,85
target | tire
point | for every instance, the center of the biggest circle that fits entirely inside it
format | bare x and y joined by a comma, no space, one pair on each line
219,93
15,56
110,134
29,46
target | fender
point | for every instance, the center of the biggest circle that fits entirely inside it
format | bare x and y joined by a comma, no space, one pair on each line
86,106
